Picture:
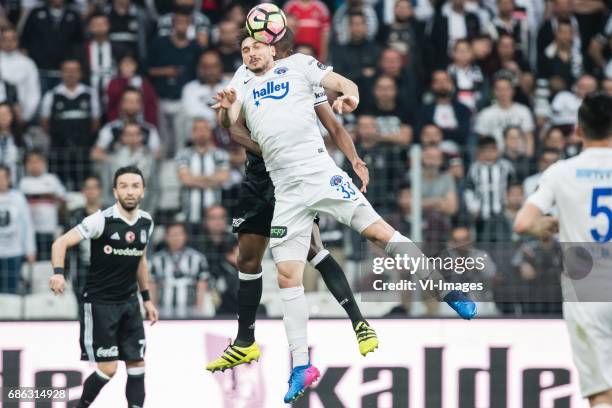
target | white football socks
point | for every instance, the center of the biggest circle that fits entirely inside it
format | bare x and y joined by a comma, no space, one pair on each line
295,318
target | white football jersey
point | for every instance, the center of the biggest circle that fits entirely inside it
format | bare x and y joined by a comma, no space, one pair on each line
581,189
278,109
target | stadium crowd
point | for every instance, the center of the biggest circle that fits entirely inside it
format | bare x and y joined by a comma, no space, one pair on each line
489,89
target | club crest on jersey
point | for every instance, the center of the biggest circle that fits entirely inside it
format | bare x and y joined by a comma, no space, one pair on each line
335,181
281,70
143,236
130,237
272,90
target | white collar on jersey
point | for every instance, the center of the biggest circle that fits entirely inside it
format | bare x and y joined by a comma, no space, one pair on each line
117,214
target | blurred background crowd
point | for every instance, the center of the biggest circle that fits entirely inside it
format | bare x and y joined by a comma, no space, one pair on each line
489,89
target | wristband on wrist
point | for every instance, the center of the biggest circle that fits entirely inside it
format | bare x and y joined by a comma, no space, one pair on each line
59,271
146,296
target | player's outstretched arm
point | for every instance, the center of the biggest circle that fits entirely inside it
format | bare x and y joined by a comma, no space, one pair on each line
143,285
241,135
348,101
57,282
530,220
344,142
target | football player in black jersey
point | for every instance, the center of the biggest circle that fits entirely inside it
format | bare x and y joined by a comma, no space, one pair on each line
111,326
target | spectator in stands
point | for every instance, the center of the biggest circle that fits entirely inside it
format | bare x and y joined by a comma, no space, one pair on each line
507,22
203,169
514,200
358,57
172,62
600,50
129,28
230,195
212,236
383,160
98,57
439,195
461,245
341,19
508,58
547,157
21,71
393,120
130,78
485,192
197,95
50,33
606,84
431,135
515,147
16,234
554,138
225,279
70,115
400,218
79,257
109,138
561,60
446,112
450,23
565,104
404,34
198,30
467,76
539,262
313,21
45,194
392,64
134,152
562,11
10,156
179,276
228,47
503,113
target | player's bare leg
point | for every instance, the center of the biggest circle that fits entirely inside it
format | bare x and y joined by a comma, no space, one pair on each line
135,386
251,249
295,318
337,284
96,381
394,243
601,400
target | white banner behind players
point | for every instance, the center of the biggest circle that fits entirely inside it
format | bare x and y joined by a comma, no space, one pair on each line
497,363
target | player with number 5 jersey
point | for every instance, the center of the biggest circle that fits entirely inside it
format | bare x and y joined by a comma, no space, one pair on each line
580,189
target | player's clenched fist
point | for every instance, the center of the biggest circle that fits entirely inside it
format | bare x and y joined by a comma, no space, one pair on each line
226,97
57,283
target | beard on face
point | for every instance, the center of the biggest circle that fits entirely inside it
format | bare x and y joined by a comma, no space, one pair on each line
129,207
260,69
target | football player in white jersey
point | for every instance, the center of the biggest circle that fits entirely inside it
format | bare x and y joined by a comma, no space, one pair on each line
581,190
252,222
277,104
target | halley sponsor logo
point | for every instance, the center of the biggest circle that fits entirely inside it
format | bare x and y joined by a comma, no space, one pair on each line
123,252
278,232
107,352
271,90
130,237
